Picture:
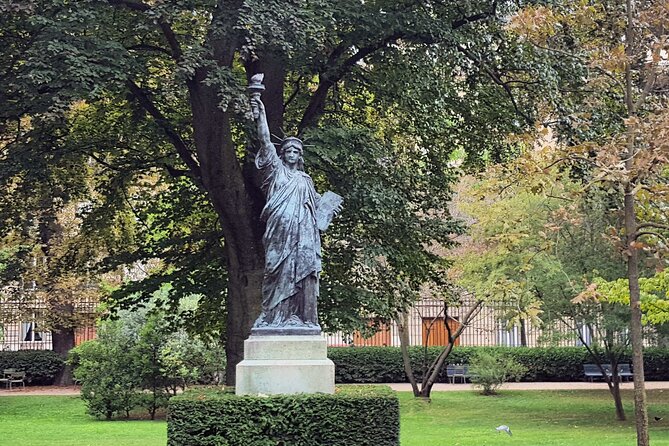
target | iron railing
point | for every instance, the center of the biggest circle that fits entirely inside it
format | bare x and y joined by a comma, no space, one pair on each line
21,328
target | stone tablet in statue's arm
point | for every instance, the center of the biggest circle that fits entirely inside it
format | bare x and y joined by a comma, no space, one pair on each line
328,206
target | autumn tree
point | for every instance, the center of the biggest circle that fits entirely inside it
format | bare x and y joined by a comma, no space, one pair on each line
535,246
615,123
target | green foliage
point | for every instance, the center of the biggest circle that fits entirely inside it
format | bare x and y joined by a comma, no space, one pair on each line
489,371
367,364
105,369
654,301
41,366
181,231
384,364
537,244
353,416
138,360
406,84
376,261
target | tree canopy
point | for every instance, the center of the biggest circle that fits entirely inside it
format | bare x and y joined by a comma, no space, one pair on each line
139,109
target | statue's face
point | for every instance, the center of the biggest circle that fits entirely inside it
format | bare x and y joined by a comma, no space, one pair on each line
291,155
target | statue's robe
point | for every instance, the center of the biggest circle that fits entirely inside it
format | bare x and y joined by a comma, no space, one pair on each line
292,244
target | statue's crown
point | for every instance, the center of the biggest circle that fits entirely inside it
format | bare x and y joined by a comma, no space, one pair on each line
292,140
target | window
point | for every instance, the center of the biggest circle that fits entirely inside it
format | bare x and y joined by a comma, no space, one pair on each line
586,335
29,332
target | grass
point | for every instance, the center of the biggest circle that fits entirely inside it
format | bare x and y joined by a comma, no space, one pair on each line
545,418
62,421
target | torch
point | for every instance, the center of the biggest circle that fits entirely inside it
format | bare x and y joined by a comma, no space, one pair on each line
255,89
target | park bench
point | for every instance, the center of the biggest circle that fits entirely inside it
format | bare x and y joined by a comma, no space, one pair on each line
457,371
10,377
592,371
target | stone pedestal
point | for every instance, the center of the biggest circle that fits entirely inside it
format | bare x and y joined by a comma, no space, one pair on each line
285,365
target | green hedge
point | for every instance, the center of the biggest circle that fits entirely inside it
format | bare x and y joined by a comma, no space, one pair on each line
353,416
41,366
384,364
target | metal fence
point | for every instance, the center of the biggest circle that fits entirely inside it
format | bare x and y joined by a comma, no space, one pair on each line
22,328
24,322
429,323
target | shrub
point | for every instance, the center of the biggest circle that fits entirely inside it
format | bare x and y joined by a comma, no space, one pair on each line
41,366
367,364
384,364
109,381
353,416
139,361
490,370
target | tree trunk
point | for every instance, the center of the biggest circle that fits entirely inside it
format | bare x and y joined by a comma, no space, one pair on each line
233,189
636,333
238,203
62,339
433,372
238,213
523,333
615,392
402,324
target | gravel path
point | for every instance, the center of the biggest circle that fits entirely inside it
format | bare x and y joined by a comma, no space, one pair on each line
442,387
402,387
41,390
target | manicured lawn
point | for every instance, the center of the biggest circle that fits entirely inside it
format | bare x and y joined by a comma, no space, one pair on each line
545,418
62,421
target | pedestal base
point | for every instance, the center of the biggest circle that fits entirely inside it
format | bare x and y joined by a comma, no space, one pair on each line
285,365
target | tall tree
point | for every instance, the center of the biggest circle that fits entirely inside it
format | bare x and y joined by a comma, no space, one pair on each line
381,86
618,135
535,246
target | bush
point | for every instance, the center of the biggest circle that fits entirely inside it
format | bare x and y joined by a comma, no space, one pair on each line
41,366
139,361
104,367
367,364
489,370
384,364
353,416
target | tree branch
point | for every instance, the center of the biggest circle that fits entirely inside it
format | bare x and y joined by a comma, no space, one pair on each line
652,225
581,60
162,23
294,93
475,17
646,89
496,79
334,72
652,233
176,140
145,47
135,5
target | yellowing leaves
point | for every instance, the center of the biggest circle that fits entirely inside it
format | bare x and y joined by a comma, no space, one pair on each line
612,59
536,24
589,294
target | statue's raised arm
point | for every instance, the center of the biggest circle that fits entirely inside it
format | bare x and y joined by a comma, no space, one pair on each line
266,156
